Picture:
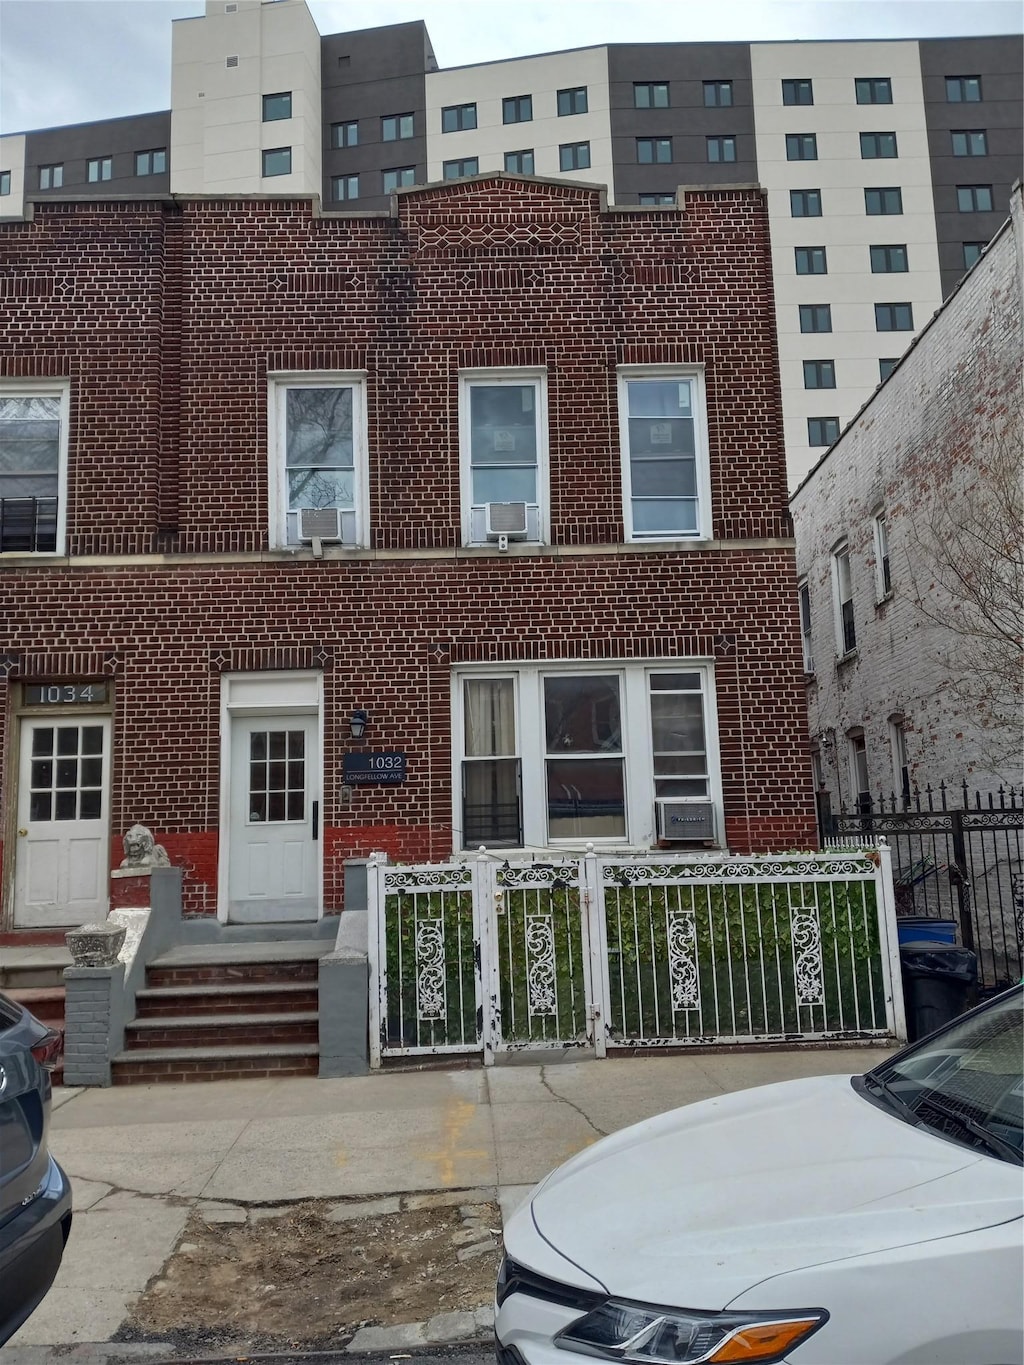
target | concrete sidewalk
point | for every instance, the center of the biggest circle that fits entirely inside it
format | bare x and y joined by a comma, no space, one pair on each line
141,1157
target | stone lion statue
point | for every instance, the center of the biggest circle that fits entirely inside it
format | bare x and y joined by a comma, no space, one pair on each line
142,850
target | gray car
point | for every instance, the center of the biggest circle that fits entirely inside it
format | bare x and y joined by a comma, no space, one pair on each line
35,1194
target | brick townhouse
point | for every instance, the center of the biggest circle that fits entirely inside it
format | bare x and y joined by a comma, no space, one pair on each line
461,524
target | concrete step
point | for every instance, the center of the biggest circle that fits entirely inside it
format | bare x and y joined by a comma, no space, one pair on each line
164,1065
208,964
226,997
222,1030
32,967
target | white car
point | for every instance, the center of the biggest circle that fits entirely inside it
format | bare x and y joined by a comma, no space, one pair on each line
865,1220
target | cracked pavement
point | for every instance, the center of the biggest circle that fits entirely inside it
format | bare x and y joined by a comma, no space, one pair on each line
140,1157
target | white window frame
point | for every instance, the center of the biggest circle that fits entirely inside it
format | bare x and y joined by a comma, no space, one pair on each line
883,562
840,553
857,750
804,598
540,530
47,388
898,750
637,751
278,385
695,376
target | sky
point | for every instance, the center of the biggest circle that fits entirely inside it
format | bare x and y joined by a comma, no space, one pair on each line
72,61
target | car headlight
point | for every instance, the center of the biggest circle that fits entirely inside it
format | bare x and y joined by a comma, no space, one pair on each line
629,1331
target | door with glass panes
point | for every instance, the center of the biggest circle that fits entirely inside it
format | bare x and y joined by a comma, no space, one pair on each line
61,857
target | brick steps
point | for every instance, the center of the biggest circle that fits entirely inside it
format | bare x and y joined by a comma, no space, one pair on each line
165,1065
223,998
213,1030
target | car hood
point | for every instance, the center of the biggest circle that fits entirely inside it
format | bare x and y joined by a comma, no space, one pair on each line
694,1207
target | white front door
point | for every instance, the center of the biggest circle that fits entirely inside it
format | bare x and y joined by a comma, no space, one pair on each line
273,857
61,860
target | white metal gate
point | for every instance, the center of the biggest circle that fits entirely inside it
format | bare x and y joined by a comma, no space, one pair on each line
604,952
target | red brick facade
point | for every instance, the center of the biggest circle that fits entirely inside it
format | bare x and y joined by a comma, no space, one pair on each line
167,319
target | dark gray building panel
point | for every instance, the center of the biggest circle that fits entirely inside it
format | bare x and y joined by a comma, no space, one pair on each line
999,62
688,121
120,139
368,76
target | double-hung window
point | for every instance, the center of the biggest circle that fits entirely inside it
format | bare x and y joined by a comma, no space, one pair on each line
567,753
842,600
33,466
883,572
664,454
503,445
318,459
805,625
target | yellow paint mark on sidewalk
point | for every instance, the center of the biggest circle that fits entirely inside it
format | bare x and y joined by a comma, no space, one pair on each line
457,1117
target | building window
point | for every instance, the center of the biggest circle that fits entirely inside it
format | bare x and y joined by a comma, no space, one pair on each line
963,89
573,753
5,182
888,260
99,168
801,147
520,163
873,90
458,118
456,170
822,431
974,198
650,94
972,253
804,589
51,177
883,201
877,146
572,101
664,454
894,317
318,458
654,149
810,260
815,317
718,94
396,127
345,134
151,163
900,766
797,92
970,142
344,187
859,771
277,161
883,576
503,435
574,156
33,465
805,203
398,177
842,593
819,374
721,148
661,199
886,367
517,109
276,107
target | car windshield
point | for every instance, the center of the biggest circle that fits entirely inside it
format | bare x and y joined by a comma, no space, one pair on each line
964,1083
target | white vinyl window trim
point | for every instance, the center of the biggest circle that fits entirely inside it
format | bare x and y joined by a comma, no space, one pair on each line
842,600
529,747
883,570
473,480
58,392
283,502
641,512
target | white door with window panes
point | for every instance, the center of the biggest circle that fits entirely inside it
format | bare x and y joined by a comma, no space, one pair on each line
61,853
556,755
274,826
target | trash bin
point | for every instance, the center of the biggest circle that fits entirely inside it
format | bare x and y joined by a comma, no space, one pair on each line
939,981
919,928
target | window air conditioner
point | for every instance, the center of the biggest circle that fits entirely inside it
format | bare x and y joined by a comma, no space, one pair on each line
685,820
320,523
506,519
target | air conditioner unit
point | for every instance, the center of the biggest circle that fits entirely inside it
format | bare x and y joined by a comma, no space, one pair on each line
506,519
320,523
685,820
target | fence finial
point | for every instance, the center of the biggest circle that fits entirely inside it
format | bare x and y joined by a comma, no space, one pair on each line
482,854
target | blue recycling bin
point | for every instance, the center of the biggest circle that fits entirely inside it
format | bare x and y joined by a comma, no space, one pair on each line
924,929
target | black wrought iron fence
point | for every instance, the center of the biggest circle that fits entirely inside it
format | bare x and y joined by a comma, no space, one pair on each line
956,855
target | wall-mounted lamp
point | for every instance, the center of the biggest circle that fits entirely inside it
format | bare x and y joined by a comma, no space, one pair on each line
358,723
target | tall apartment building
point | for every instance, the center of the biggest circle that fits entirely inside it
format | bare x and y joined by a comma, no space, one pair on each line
887,164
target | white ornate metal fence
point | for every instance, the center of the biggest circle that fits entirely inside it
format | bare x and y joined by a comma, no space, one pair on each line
641,952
